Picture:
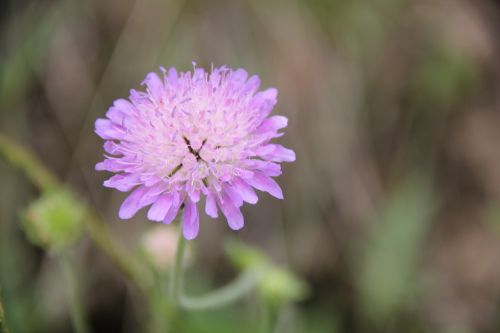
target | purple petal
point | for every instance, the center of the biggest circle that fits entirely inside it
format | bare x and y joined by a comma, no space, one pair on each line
108,130
264,150
132,203
243,173
139,98
273,124
267,168
123,183
252,85
210,206
150,197
160,208
276,153
266,184
194,194
240,75
199,74
112,148
174,209
190,220
231,212
116,115
113,165
233,195
155,86
152,180
172,76
215,78
157,189
264,101
124,106
245,191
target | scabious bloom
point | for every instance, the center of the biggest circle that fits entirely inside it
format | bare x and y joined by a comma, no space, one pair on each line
189,135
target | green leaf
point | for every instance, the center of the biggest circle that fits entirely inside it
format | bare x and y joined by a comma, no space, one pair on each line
389,267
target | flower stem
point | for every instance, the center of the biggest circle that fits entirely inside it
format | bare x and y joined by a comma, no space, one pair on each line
161,318
3,324
73,294
223,296
177,271
40,176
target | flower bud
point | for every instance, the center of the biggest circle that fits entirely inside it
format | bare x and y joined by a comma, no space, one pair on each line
277,285
54,221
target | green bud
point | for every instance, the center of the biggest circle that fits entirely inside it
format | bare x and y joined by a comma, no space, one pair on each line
280,286
276,285
54,221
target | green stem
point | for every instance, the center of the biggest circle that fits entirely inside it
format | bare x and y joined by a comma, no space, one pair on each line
3,324
21,158
160,313
39,175
268,317
115,251
73,295
223,296
177,271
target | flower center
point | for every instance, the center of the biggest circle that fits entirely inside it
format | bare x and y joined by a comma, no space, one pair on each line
196,152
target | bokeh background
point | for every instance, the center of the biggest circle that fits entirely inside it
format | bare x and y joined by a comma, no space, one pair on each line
392,209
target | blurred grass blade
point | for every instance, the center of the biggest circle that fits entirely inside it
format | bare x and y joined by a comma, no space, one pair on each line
389,267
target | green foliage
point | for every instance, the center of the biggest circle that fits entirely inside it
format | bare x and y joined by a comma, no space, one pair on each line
27,57
3,324
388,278
445,78
54,221
226,320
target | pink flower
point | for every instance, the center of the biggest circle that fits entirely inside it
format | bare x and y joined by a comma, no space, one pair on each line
193,134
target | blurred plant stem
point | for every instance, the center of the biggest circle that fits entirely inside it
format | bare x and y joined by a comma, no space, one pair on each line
225,295
268,317
73,294
22,159
3,324
40,176
177,271
161,314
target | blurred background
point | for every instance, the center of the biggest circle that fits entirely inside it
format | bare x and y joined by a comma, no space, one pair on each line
392,209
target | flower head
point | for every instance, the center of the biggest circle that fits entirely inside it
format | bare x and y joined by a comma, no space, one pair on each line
189,135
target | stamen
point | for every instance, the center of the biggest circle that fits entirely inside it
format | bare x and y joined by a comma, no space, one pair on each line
177,168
